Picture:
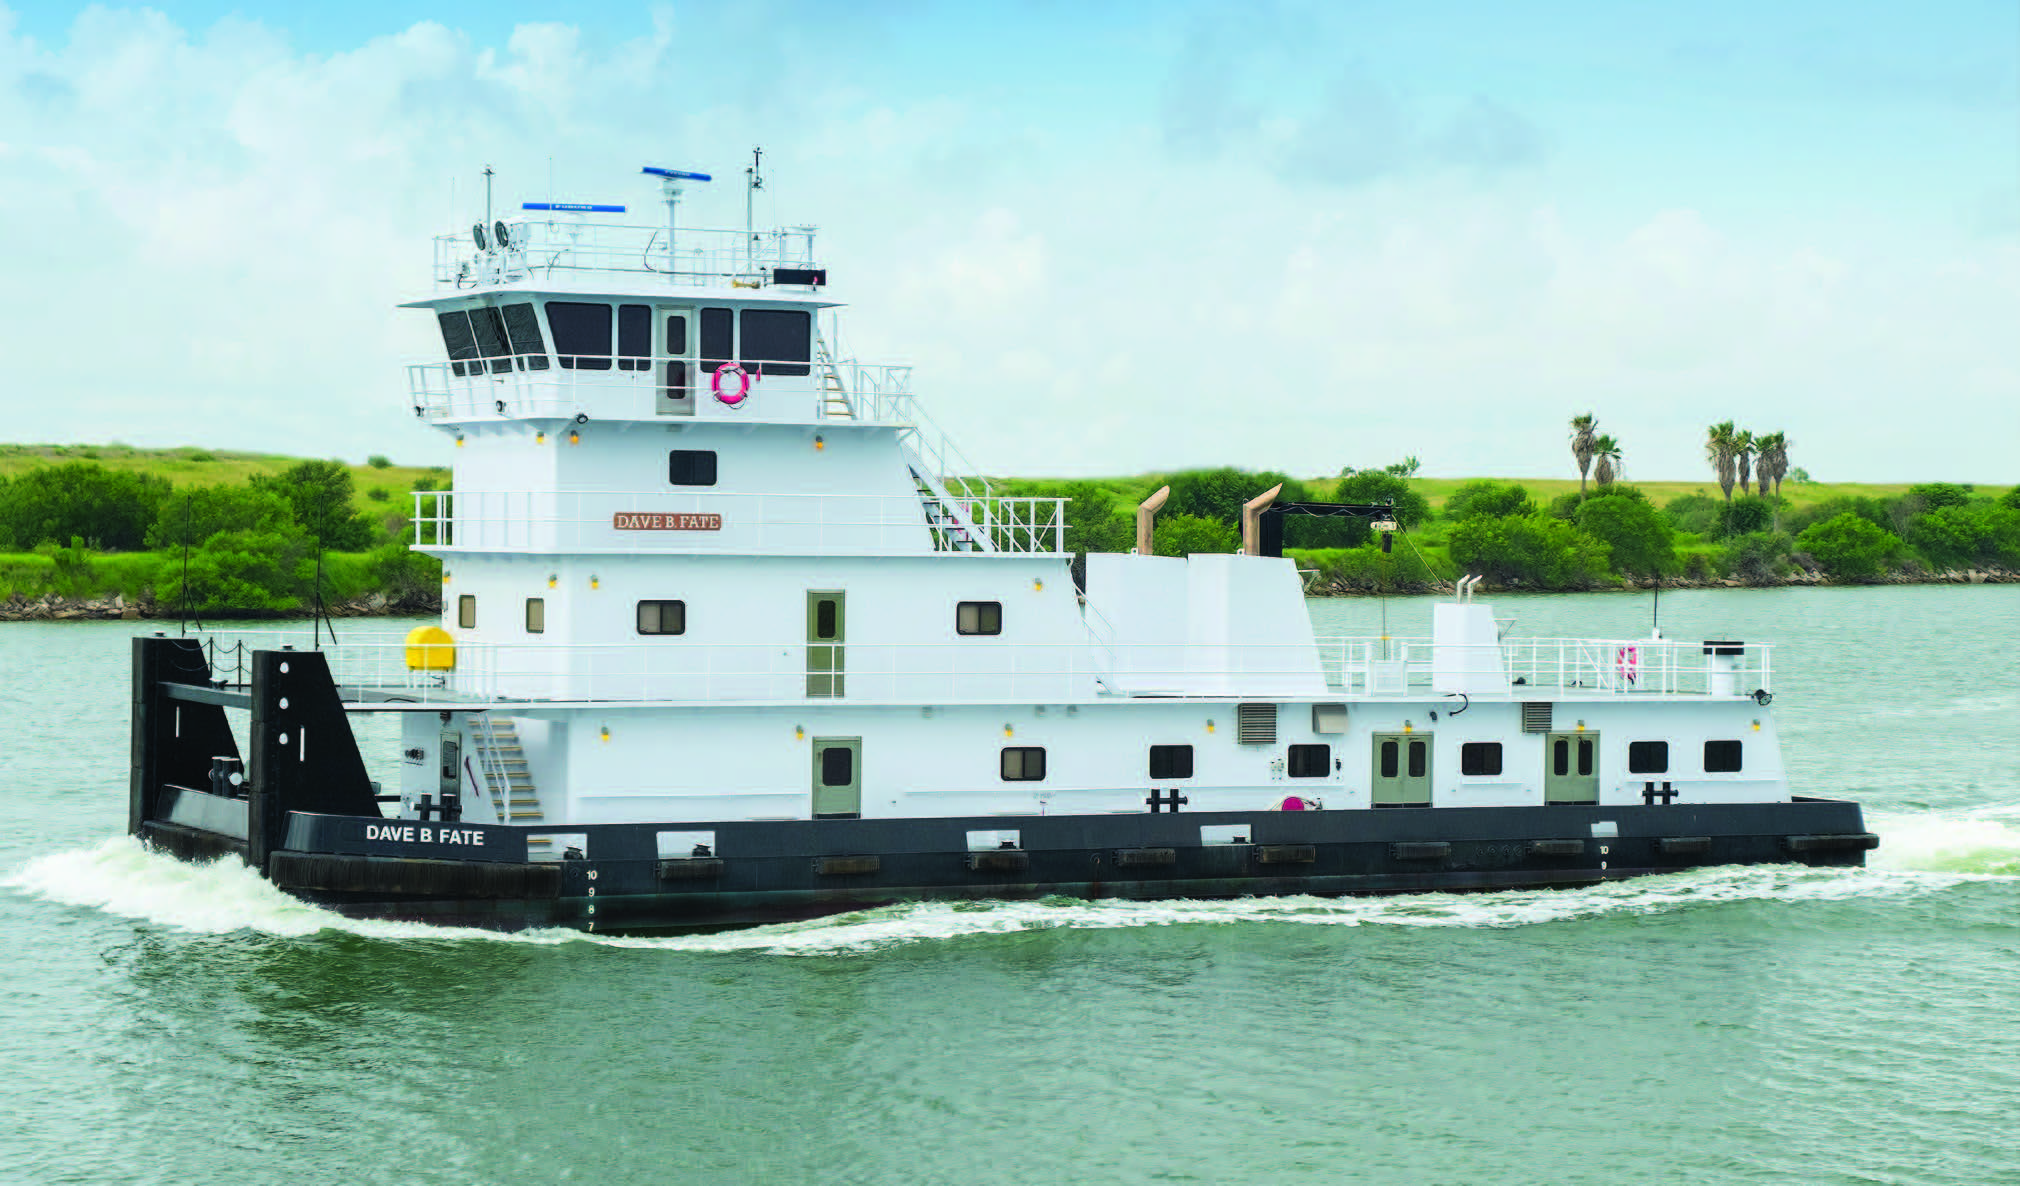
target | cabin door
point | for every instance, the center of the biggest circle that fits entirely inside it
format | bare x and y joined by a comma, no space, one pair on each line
1571,768
674,346
838,777
450,779
826,632
1402,774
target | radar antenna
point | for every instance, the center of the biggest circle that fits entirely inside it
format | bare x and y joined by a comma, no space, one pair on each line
669,189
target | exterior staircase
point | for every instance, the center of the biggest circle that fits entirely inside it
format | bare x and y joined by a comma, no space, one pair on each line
950,533
835,403
502,758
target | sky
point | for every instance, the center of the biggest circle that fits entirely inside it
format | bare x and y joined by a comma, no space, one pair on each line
1112,237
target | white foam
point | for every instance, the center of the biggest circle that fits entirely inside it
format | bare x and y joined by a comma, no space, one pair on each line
1983,841
121,878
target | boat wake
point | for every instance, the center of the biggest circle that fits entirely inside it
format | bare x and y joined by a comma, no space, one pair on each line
1919,855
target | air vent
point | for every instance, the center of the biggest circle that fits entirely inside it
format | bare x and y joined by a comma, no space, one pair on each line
1255,724
1536,716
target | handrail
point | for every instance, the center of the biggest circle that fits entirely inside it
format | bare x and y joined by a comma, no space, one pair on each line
543,247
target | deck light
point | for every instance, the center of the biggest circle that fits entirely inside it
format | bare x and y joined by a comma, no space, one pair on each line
606,733
799,732
1209,724
1756,726
593,582
552,580
1007,730
819,444
459,442
539,438
574,438
1408,727
1038,586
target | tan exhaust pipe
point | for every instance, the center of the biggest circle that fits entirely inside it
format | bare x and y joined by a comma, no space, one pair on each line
1145,512
1251,520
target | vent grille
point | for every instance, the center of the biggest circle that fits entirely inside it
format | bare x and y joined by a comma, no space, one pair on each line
1255,724
1536,716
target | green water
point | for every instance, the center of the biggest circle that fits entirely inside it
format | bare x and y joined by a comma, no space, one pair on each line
165,1023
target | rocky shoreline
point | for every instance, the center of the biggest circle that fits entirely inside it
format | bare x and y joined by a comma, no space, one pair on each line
52,608
1991,575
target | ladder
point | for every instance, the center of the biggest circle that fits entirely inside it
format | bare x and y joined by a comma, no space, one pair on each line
835,403
950,533
506,774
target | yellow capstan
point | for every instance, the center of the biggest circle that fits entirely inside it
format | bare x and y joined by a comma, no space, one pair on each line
430,648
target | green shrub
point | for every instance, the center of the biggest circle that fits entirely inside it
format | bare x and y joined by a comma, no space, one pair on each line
1538,550
379,461
1182,535
1745,515
1872,510
254,571
378,494
1491,499
1958,535
1367,569
111,508
1695,513
1634,532
195,513
1760,558
320,492
1848,547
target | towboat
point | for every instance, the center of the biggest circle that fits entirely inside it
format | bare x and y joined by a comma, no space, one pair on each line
732,634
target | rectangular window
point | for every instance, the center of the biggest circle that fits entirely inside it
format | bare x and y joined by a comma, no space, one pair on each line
979,617
1023,763
489,327
824,619
536,615
662,617
691,467
1721,757
1389,765
780,341
717,345
1311,761
634,338
466,611
1648,757
522,326
1560,757
1171,761
459,341
1584,757
581,334
1420,754
1480,759
838,766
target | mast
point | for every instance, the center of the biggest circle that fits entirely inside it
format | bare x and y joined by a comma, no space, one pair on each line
755,182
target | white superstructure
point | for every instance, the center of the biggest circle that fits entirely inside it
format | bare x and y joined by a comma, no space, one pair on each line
699,567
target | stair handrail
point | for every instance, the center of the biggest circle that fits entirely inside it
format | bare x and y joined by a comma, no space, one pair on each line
495,776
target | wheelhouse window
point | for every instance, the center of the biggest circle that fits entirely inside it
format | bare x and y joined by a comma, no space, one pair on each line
634,338
459,342
466,611
979,617
662,617
1722,757
489,327
778,341
1480,759
536,615
581,334
691,467
1023,763
1170,761
718,345
1310,761
1648,757
522,327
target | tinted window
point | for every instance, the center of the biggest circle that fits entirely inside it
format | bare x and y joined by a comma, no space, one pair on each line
536,615
838,766
634,337
522,326
1311,761
1560,756
1419,758
1648,757
489,327
1721,757
581,334
777,341
1171,761
466,611
691,467
460,342
716,345
824,619
979,617
1480,758
1388,759
1023,764
1584,756
662,617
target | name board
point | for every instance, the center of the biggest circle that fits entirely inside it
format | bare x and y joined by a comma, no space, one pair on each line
425,834
643,521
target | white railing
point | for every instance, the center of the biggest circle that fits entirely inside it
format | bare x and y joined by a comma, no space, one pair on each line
1581,666
536,386
643,521
542,248
373,668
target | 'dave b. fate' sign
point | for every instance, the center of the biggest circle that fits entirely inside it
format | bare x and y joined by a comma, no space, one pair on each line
658,521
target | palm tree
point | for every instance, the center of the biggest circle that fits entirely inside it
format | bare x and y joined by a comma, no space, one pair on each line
1582,428
1743,449
1607,451
1774,464
1721,444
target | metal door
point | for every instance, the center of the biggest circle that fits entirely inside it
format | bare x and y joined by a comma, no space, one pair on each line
838,777
450,780
1402,770
1571,768
826,632
675,396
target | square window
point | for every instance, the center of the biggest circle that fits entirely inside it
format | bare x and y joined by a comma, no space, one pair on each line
838,766
1311,761
662,617
1721,757
979,617
1648,757
536,615
1171,761
466,611
581,334
1480,759
1023,763
777,341
691,467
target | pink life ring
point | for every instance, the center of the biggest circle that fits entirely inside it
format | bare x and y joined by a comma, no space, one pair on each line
737,376
1627,661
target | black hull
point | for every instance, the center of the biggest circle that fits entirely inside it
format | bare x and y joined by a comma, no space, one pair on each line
786,871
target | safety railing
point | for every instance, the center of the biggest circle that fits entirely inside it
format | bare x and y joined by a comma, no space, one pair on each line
644,521
545,248
374,669
639,387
